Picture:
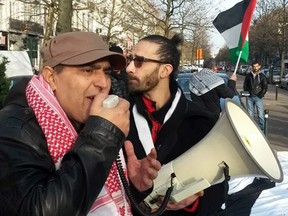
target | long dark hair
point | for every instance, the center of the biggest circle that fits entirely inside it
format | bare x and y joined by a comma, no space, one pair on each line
168,50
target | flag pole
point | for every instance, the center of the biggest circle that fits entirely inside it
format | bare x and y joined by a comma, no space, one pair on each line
238,60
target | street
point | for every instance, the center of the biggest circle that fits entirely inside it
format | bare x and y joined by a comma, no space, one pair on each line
277,122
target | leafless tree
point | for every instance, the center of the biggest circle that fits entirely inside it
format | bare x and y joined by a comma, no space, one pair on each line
193,23
157,12
266,33
110,15
223,55
49,12
117,17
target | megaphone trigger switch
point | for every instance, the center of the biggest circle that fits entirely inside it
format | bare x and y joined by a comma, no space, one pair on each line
226,171
154,201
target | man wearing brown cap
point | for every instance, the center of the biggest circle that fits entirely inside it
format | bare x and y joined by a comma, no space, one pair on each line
58,144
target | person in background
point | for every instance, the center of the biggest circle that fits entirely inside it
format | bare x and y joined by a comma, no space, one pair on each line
162,118
256,84
119,82
206,88
58,145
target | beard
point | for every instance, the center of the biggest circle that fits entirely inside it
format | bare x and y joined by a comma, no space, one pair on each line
145,83
256,71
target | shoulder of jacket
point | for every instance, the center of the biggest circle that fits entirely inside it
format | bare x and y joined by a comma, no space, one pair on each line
249,75
198,113
261,74
19,125
21,119
16,116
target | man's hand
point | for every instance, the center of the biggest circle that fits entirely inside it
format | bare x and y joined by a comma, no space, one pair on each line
119,115
233,77
184,203
172,205
141,172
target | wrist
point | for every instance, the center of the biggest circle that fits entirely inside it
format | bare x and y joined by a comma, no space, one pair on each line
193,207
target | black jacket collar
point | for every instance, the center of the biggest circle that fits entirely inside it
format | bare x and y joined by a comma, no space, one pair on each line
159,115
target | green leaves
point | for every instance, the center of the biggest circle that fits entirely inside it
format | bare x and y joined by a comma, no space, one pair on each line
4,82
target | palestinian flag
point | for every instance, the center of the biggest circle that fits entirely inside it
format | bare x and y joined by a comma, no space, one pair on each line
233,24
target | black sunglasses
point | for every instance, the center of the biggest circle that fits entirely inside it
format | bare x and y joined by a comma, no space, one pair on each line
138,60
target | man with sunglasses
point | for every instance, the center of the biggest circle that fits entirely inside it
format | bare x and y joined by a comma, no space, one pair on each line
163,118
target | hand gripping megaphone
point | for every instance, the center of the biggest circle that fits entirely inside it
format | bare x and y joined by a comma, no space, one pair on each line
236,141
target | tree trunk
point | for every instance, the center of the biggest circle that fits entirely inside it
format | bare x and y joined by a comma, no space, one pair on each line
64,23
49,20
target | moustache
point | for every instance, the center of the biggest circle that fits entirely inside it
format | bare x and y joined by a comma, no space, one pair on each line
132,77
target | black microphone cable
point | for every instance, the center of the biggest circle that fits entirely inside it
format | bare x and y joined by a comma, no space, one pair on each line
136,206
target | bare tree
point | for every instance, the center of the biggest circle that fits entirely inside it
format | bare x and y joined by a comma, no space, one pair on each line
192,22
109,14
49,12
223,55
138,19
266,34
158,12
116,18
168,9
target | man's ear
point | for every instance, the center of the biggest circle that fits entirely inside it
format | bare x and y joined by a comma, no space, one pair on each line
166,71
48,75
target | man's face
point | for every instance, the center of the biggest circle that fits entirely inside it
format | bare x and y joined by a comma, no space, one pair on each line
76,87
256,67
146,77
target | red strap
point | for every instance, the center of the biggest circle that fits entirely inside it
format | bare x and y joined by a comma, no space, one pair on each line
193,207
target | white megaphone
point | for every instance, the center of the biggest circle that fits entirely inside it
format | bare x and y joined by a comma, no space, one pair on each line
235,140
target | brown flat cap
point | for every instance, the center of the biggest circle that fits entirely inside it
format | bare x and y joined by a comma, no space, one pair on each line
78,48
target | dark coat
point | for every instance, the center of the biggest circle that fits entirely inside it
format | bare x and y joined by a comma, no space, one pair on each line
211,99
187,125
119,84
30,184
255,86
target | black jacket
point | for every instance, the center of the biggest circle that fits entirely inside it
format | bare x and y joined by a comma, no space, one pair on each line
119,83
187,125
211,99
29,183
255,86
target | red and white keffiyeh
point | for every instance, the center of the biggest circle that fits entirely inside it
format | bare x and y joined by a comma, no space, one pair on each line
61,135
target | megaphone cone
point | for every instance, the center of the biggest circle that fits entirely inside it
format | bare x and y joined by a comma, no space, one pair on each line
235,140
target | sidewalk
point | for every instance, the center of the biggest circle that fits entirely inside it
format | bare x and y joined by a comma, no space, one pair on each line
278,117
277,122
